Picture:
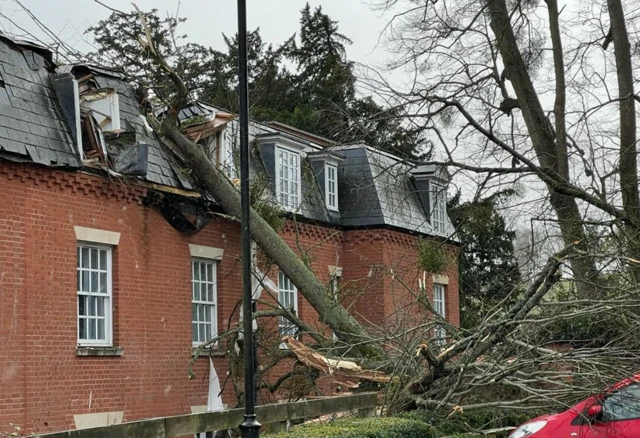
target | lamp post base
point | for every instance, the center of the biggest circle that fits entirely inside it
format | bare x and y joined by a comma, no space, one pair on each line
250,428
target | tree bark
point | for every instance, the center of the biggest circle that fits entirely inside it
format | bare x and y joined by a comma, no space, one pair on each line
549,153
628,166
218,186
335,316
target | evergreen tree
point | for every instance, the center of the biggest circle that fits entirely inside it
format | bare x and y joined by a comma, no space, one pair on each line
488,270
117,41
317,93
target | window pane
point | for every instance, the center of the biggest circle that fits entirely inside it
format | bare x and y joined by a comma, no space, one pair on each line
203,291
196,291
82,309
91,306
201,312
92,329
94,281
203,272
623,404
78,256
194,332
94,258
207,332
207,313
82,328
101,334
209,272
78,275
101,302
201,333
103,260
85,258
196,271
103,282
194,312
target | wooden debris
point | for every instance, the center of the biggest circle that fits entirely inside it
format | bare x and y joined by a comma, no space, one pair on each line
334,367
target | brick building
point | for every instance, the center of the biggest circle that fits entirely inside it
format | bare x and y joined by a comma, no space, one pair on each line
114,265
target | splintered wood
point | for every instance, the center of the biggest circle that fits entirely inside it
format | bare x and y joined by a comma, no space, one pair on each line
334,367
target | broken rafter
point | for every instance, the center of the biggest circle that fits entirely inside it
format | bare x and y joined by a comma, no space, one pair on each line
206,129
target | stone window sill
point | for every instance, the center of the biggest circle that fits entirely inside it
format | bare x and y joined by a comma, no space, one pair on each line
99,351
208,352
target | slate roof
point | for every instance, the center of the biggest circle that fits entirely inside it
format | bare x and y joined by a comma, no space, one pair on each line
375,188
312,206
32,127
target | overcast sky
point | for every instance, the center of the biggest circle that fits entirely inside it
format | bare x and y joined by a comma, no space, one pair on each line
206,20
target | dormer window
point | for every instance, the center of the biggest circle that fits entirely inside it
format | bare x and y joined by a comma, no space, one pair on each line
224,158
283,157
214,132
331,186
325,168
437,208
431,187
288,178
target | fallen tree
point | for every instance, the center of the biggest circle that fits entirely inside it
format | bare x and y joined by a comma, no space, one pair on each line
430,375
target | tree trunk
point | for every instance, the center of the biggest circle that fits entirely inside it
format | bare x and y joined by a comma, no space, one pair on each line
548,152
628,166
335,316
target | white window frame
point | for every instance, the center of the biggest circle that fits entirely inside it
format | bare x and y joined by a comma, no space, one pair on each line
437,208
331,186
95,274
287,198
197,304
227,161
439,305
333,291
286,287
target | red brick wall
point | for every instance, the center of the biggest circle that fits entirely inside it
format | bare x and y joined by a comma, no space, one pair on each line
381,281
42,381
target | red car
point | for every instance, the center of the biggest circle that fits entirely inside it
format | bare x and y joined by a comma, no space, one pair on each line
615,413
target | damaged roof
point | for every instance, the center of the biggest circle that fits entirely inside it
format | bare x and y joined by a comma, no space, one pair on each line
32,127
40,125
163,167
375,188
32,124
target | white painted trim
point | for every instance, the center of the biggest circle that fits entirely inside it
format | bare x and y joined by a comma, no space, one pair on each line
281,141
296,310
325,157
440,279
108,319
94,235
214,303
335,271
98,419
76,107
440,289
277,175
326,186
206,252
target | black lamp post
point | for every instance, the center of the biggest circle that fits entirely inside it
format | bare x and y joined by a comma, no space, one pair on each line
250,427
